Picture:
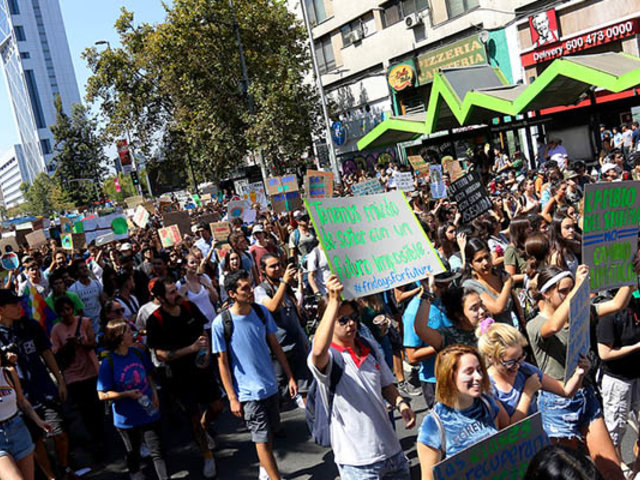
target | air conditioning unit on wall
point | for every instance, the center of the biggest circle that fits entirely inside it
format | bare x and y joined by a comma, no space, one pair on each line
355,36
413,20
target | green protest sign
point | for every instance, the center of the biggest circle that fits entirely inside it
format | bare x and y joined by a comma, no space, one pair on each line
373,243
504,455
610,233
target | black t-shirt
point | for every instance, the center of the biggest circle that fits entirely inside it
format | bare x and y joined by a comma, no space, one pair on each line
166,332
619,330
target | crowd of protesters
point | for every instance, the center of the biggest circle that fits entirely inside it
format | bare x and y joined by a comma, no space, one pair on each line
260,326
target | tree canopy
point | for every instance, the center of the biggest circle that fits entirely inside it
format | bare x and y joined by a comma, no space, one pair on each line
179,83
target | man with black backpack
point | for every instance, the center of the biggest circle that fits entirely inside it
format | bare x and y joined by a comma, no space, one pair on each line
363,440
276,293
244,337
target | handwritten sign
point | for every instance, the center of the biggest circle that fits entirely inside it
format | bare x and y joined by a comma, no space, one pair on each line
255,193
105,239
141,216
319,184
404,181
286,202
133,202
69,241
452,167
278,185
438,188
115,223
220,231
368,187
610,233
66,226
238,209
8,245
579,316
471,195
169,236
505,454
418,163
181,219
36,239
373,243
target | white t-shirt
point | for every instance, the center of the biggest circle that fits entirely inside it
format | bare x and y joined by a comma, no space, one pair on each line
361,433
90,296
318,266
202,301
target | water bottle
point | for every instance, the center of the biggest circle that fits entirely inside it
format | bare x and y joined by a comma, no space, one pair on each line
201,358
148,405
300,401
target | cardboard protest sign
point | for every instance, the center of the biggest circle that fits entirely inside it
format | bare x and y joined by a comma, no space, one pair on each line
404,181
164,206
105,239
8,244
220,231
95,227
66,225
255,193
21,235
318,184
206,198
149,207
438,188
239,184
368,187
505,454
141,216
70,241
36,239
452,167
222,249
181,219
238,209
208,218
286,202
373,243
278,185
579,316
169,236
133,202
471,195
418,163
610,233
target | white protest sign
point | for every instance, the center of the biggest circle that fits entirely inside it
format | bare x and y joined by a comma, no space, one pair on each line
438,188
368,187
255,193
372,243
404,181
579,316
141,216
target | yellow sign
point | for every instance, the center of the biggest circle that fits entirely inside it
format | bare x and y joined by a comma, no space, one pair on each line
401,76
464,53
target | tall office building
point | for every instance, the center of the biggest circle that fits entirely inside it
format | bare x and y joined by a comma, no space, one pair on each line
37,66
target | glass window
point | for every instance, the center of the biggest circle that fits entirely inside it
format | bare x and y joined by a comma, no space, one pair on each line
348,28
392,14
46,146
13,7
25,55
324,55
316,11
458,7
34,96
20,36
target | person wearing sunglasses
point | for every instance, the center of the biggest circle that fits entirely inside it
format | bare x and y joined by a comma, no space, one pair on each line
363,440
515,382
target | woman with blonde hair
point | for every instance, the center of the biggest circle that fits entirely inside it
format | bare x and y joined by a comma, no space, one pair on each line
515,382
463,404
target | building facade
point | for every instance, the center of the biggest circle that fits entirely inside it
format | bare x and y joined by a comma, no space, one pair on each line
377,59
12,168
37,67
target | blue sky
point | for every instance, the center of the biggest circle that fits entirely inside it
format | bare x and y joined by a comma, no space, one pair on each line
86,21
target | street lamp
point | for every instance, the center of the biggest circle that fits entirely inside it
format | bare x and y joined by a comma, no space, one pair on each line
103,42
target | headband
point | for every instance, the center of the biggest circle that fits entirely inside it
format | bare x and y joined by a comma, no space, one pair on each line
553,280
486,324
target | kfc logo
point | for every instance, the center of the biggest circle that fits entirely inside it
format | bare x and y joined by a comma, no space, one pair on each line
544,28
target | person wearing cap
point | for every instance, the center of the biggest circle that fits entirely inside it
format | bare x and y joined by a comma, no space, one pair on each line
302,239
610,172
36,366
418,351
261,246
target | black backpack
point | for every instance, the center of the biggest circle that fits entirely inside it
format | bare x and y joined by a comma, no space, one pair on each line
227,321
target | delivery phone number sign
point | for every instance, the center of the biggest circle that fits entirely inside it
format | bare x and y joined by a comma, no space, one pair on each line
372,243
504,455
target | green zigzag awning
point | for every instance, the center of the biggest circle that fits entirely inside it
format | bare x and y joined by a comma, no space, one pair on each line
473,95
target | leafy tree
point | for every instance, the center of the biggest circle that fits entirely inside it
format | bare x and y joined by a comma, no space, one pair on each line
45,196
80,159
127,187
180,81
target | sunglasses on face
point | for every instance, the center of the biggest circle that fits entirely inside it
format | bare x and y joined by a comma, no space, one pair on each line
510,364
354,317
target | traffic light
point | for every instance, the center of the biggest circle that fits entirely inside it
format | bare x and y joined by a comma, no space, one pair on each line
134,178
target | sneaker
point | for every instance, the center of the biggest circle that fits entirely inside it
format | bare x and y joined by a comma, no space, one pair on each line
211,443
136,476
209,470
144,451
406,388
263,474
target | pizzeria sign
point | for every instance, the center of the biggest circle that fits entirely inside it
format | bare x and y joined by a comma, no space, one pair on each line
578,43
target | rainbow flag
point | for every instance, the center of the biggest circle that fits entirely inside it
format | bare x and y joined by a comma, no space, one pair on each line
36,307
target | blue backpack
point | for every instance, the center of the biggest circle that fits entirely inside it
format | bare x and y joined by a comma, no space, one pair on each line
318,418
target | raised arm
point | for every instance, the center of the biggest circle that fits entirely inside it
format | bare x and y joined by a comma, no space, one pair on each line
560,317
324,332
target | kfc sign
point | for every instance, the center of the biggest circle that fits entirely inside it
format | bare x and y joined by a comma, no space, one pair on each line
544,28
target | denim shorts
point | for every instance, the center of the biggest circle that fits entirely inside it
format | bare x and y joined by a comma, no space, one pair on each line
15,439
394,468
567,417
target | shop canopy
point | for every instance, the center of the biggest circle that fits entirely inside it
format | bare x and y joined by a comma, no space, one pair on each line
471,95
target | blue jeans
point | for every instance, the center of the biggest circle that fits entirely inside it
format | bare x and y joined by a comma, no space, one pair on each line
394,468
15,439
567,417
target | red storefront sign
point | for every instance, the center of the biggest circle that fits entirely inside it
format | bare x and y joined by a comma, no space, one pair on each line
601,36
